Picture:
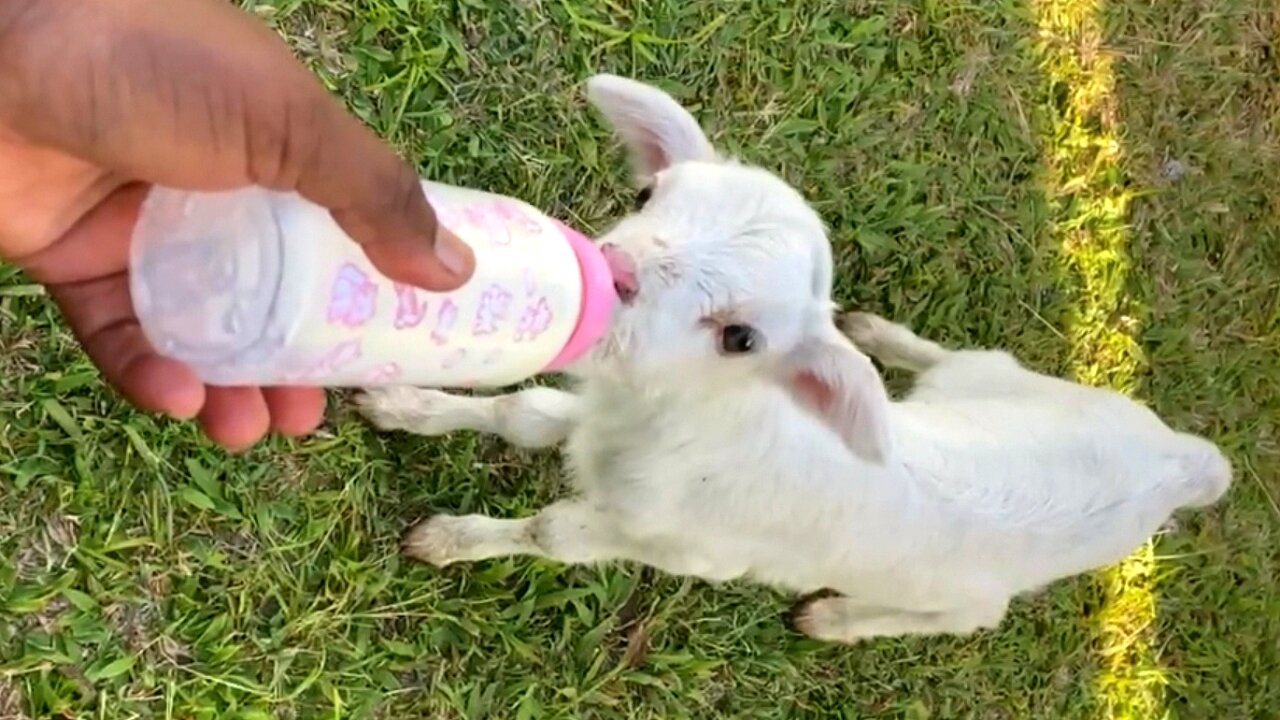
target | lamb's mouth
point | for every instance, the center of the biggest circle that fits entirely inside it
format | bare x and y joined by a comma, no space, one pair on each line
623,267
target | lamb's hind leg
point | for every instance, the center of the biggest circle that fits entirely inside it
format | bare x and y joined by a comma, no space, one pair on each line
892,344
942,374
533,418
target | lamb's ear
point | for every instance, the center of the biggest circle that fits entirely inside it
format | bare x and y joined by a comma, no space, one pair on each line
829,376
657,130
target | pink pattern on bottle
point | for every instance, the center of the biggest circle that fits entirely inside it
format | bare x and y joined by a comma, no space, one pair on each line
489,224
385,373
409,309
353,299
446,214
494,304
535,320
514,214
454,359
493,219
336,358
446,318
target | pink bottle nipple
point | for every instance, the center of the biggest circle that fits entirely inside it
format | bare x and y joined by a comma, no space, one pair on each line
598,299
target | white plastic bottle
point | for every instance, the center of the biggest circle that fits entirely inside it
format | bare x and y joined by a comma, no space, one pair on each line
254,287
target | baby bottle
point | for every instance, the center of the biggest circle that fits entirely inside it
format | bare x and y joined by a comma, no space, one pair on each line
255,287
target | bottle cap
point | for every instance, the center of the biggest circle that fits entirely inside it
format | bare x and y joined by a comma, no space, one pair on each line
204,271
598,299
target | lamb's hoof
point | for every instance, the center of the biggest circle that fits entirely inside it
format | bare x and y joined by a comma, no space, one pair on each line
431,541
383,407
401,407
866,330
856,324
796,613
826,619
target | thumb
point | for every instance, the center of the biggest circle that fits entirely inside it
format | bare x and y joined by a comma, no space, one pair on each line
373,195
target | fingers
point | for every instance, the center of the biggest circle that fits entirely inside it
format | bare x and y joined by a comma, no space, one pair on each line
374,195
238,417
85,274
396,246
235,417
294,411
199,95
100,315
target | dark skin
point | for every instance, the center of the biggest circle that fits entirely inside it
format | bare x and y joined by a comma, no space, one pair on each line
100,98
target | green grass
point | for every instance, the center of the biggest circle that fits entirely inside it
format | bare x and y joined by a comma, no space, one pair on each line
1095,186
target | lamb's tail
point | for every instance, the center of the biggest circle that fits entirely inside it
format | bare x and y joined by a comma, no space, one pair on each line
1205,471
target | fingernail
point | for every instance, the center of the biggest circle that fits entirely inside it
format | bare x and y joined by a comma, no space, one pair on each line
453,253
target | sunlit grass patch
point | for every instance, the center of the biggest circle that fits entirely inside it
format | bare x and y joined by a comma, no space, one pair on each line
1083,157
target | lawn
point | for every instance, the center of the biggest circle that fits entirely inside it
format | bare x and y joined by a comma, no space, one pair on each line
1093,185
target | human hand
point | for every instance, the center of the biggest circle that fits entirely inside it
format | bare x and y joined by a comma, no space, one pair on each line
99,99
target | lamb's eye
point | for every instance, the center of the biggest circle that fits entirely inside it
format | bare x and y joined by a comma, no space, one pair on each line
642,198
738,339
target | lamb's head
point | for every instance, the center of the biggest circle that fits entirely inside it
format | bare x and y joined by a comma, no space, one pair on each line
725,273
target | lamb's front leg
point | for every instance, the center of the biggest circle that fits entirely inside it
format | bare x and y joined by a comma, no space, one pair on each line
570,531
532,418
845,620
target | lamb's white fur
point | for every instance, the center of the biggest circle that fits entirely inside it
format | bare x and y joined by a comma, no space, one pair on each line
790,466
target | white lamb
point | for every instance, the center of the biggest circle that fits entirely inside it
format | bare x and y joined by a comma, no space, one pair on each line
727,428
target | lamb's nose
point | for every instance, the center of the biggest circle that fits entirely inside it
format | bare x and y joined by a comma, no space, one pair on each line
625,282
